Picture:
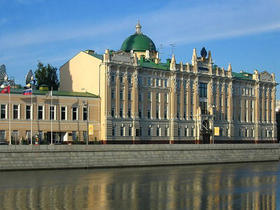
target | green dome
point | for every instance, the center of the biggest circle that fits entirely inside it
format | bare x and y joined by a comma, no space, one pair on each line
138,42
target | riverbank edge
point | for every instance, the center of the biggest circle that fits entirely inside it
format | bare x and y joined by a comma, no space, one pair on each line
37,157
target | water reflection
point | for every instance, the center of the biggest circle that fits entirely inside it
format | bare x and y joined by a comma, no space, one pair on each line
229,186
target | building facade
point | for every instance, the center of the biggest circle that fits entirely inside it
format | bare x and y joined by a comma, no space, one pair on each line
65,116
144,98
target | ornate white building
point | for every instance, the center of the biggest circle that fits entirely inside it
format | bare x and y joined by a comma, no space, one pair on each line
144,98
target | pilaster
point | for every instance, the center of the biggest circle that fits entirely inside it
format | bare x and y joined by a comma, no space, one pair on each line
188,99
117,101
182,93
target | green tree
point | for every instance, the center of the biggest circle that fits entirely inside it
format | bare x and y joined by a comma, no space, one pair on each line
46,75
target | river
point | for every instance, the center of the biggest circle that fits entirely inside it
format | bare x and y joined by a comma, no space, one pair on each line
219,186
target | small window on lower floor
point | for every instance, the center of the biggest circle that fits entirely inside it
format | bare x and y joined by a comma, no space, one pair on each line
149,131
2,135
85,136
74,135
113,131
14,135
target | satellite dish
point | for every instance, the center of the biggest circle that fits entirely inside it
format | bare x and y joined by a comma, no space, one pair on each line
29,77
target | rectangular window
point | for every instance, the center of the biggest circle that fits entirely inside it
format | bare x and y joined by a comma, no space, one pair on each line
165,83
149,132
166,97
129,112
129,95
74,135
203,90
2,135
121,111
52,112
157,131
3,111
138,132
15,111
74,113
85,113
148,114
40,112
129,131
129,79
139,96
121,95
113,131
63,113
122,131
121,79
157,114
113,111
113,94
157,97
28,112
140,113
85,135
14,135
157,82
112,78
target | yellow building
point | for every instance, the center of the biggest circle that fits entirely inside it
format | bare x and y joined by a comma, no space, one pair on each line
64,116
144,98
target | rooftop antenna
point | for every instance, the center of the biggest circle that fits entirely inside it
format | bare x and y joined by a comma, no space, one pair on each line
160,49
172,48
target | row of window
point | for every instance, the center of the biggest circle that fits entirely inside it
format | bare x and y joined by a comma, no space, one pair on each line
186,132
140,96
15,135
140,115
41,112
245,132
150,82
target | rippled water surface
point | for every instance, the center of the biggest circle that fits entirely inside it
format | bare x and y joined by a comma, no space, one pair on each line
223,186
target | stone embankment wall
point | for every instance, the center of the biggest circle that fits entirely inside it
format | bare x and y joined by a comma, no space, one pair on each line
22,157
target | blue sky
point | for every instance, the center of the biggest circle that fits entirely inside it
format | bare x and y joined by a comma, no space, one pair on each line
245,33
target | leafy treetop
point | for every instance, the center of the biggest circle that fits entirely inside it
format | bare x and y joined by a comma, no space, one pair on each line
46,75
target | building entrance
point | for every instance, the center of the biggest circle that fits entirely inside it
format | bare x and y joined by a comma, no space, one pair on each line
205,132
58,137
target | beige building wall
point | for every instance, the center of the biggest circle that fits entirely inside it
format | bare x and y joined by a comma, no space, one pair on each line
22,125
143,100
81,74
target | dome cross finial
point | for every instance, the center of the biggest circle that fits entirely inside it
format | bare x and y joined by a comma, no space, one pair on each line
138,27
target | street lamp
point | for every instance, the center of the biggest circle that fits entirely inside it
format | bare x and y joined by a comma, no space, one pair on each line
85,104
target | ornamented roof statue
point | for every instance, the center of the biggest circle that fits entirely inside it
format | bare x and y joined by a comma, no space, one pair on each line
203,52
